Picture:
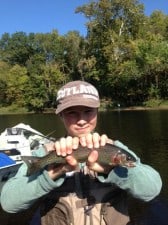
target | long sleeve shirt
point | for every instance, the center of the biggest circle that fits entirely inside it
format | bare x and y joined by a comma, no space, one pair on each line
22,191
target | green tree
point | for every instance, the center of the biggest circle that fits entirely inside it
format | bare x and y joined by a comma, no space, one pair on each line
41,88
158,23
16,84
73,51
112,28
53,79
16,49
4,71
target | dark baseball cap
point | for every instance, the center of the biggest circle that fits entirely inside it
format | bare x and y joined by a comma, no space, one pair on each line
77,93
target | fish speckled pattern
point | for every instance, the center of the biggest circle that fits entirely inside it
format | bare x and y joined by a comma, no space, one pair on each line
106,153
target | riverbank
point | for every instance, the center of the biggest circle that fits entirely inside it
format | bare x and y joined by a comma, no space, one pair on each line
105,106
152,104
138,108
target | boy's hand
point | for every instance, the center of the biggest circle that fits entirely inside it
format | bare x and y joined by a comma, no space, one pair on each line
65,146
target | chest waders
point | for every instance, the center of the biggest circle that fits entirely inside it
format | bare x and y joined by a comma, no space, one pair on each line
83,200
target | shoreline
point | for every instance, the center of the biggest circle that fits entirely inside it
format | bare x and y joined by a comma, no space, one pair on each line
140,108
48,111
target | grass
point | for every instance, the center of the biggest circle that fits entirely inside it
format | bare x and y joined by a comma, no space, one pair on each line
156,103
105,106
13,109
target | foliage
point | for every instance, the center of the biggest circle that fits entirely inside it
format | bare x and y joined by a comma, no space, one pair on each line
124,54
16,85
153,103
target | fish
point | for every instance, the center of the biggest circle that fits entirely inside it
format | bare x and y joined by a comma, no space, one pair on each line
105,154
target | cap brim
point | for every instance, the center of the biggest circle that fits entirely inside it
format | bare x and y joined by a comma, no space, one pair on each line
84,102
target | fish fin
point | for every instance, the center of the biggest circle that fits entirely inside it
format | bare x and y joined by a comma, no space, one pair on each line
30,159
31,163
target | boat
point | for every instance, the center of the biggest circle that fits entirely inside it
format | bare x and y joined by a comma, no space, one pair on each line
15,142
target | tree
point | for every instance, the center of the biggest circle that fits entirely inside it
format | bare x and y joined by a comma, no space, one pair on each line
152,61
4,71
41,88
16,84
112,28
74,50
158,23
16,49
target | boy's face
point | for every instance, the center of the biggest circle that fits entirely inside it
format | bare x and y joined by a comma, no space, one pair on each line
79,120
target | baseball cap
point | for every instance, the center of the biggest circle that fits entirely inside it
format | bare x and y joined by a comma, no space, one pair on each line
77,93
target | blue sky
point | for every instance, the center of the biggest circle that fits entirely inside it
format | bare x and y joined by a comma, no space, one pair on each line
42,16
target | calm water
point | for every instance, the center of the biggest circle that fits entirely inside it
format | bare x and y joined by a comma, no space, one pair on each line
145,132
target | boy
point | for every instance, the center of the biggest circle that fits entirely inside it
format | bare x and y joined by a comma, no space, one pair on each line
80,193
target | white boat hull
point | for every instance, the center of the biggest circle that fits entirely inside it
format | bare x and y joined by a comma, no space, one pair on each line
15,142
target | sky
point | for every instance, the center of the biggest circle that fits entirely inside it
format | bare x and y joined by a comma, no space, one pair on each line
43,16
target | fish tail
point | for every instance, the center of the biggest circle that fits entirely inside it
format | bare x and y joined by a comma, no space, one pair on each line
32,163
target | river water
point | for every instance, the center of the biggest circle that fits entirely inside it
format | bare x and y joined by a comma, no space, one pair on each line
144,132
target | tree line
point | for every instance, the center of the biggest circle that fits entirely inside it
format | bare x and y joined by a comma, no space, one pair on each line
124,54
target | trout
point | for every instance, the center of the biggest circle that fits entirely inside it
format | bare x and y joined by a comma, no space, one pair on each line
106,153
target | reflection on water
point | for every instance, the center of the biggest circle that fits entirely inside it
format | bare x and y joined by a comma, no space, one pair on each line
145,132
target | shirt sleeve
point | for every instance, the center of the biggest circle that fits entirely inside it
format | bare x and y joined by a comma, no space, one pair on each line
142,181
21,191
